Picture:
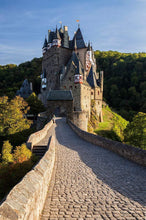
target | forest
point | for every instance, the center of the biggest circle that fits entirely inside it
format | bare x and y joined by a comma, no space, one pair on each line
124,81
12,76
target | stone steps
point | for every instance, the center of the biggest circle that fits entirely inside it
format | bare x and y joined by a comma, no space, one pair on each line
39,150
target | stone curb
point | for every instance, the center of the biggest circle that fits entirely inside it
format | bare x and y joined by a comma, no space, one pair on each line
26,200
134,154
37,136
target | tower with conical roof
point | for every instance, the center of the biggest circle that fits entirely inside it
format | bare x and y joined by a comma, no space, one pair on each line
70,65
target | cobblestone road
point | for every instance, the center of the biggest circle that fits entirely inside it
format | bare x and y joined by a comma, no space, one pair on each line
93,183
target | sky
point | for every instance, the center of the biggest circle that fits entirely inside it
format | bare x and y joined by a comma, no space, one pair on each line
118,25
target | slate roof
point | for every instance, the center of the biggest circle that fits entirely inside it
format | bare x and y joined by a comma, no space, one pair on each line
74,60
59,95
50,36
92,79
79,39
45,43
56,34
25,90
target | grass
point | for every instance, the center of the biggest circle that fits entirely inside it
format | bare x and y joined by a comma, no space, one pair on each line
112,126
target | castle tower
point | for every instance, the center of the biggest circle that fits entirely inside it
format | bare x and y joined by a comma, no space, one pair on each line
69,65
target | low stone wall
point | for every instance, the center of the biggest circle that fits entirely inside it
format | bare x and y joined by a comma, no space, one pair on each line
26,200
37,136
134,154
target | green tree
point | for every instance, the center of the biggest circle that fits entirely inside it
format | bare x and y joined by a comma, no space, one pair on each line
35,104
135,132
7,156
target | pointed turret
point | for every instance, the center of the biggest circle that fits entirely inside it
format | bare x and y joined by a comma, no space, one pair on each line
57,34
89,47
91,79
75,45
79,39
56,38
44,49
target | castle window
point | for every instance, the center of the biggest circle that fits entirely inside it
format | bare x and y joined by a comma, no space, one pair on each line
75,87
70,78
98,103
70,87
91,93
65,87
98,92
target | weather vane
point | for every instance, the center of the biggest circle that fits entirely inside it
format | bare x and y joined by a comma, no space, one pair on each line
78,23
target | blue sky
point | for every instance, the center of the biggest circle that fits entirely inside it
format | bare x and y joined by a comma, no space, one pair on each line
109,24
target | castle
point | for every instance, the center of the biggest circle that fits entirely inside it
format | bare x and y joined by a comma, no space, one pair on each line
69,78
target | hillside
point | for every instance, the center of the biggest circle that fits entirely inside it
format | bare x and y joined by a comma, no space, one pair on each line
124,81
112,127
12,76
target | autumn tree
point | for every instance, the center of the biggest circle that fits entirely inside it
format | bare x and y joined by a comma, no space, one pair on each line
21,154
12,115
7,156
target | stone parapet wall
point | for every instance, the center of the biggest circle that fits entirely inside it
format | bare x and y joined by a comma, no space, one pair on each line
26,200
134,154
39,135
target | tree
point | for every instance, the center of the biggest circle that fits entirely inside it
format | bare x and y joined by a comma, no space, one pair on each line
12,115
135,132
21,154
35,104
7,156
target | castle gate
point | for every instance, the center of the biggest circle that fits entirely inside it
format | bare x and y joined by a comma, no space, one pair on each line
60,103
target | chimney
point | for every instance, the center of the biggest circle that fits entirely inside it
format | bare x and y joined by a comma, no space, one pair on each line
65,28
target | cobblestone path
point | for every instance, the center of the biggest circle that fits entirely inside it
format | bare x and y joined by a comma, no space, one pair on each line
93,183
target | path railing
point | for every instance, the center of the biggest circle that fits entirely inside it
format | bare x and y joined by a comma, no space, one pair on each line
26,200
129,152
38,136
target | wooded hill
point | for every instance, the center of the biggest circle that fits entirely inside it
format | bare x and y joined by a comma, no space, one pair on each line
12,76
124,80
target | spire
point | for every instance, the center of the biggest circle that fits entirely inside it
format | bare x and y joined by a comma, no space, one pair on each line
75,45
57,35
91,79
89,47
79,39
45,42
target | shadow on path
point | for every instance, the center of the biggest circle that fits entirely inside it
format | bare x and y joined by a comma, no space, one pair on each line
118,173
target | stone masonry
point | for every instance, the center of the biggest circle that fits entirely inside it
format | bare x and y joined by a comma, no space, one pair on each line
93,183
70,65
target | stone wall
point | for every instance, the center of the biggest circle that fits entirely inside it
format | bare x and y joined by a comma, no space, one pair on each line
134,154
26,200
80,119
37,136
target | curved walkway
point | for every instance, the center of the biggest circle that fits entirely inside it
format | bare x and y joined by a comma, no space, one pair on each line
93,183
